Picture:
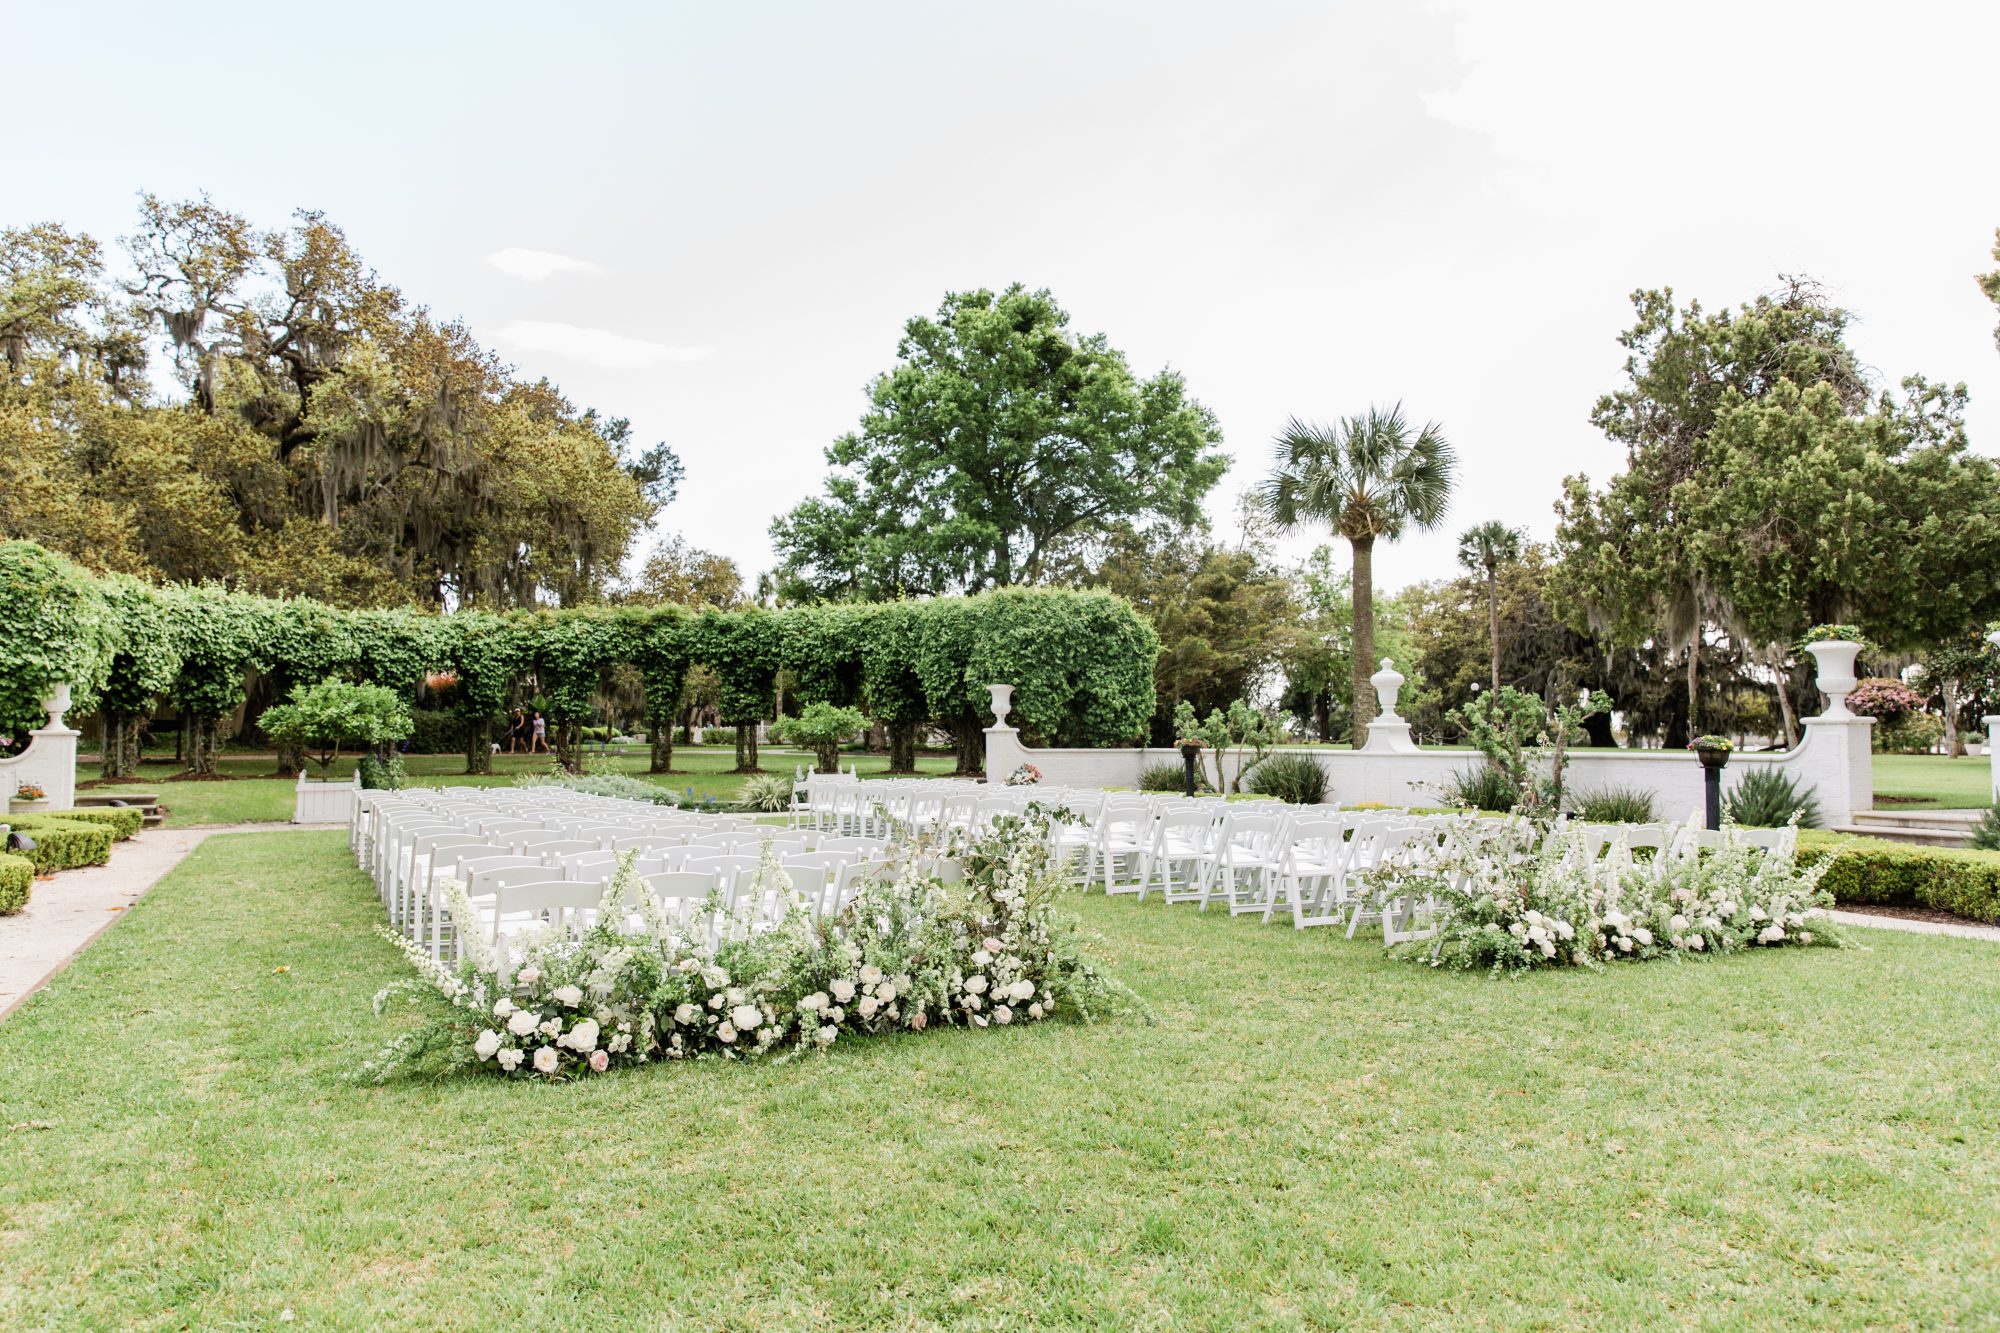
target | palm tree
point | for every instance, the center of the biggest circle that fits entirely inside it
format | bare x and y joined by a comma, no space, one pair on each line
1366,477
1486,548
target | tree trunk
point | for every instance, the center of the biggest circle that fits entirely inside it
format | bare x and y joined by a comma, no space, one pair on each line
111,762
1493,623
1364,637
827,756
291,758
1953,747
902,747
135,747
661,735
200,746
479,747
1777,660
746,747
968,737
568,752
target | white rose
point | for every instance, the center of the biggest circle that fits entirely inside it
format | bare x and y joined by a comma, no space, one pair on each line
569,997
1002,1014
528,976
869,1004
973,1002
1566,930
1678,922
871,975
725,1033
1035,1010
827,1034
1518,931
716,1001
886,991
1641,934
833,1013
1624,944
487,1045
1534,918
735,995
502,1007
746,1017
990,944
522,1022
510,1059
1696,943
1756,912
981,958
843,989
583,1037
1805,937
1537,933
1023,989
546,1060
813,1003
1771,934
1548,948
975,985
685,1013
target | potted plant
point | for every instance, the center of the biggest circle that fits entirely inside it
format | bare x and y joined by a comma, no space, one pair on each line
1833,649
1713,751
29,797
1190,748
322,719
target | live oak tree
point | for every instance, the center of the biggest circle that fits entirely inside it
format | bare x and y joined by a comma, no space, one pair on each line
1368,477
999,442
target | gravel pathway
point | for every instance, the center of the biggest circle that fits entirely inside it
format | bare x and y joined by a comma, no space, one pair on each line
1876,921
66,913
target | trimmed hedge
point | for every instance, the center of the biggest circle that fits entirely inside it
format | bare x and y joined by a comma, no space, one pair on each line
1894,874
17,880
64,844
124,820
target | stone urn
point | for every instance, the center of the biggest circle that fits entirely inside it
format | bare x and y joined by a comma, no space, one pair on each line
1388,683
1833,670
1003,702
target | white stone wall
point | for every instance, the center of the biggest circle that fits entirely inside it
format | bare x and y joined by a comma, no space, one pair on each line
1832,759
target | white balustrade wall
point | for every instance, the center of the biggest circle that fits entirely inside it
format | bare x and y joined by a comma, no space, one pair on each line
49,762
1832,760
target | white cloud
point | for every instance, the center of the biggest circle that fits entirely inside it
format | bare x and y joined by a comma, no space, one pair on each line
534,265
596,347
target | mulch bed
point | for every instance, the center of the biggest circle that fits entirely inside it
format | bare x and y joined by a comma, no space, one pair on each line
1911,914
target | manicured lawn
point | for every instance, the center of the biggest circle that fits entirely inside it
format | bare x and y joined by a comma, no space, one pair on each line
1310,1136
1930,781
250,796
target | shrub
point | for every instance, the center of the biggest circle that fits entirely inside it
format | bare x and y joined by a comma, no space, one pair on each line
1616,805
1296,778
1767,798
604,784
17,880
438,731
1985,835
766,792
1483,787
1171,776
1894,874
1912,733
821,727
324,717
63,844
123,821
382,774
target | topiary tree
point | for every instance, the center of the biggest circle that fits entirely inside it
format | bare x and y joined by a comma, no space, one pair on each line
572,651
222,640
54,630
821,727
890,684
742,648
144,667
660,646
304,641
323,718
944,636
1081,663
487,653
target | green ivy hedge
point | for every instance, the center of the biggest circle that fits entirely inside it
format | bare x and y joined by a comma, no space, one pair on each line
62,843
17,880
1894,874
123,821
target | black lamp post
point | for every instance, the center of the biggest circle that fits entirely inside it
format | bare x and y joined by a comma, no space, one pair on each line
1189,753
1714,758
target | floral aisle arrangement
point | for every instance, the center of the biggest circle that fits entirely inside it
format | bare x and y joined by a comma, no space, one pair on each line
1027,775
907,953
1507,898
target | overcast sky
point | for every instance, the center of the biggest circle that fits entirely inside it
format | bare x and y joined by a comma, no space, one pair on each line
715,219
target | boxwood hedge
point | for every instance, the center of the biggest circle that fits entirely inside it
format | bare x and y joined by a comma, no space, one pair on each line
1893,874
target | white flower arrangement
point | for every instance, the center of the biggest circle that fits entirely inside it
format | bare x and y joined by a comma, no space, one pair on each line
638,986
1507,898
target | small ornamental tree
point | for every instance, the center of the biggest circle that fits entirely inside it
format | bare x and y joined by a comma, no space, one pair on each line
821,727
54,630
1245,733
323,719
304,641
144,667
889,680
741,647
572,653
222,641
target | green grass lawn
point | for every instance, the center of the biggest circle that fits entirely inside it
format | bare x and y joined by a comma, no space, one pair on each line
1930,781
248,794
1310,1136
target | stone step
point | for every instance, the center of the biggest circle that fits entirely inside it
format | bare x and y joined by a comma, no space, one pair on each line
1917,836
149,802
1920,818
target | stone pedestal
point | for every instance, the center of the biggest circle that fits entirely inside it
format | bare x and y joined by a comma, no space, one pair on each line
49,762
1389,731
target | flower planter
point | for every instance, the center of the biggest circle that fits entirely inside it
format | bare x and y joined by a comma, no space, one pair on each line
1833,670
20,807
324,802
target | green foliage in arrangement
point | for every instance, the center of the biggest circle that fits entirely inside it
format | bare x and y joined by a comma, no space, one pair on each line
332,714
1617,805
822,727
62,843
54,630
17,881
1768,798
1893,874
1291,776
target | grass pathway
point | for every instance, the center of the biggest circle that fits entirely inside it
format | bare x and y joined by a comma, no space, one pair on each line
1309,1136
